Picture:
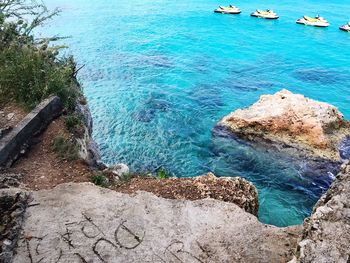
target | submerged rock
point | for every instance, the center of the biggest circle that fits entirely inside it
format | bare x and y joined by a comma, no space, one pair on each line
293,123
326,234
321,76
107,226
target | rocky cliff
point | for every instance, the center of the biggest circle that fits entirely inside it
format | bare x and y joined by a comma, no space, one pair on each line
326,233
89,151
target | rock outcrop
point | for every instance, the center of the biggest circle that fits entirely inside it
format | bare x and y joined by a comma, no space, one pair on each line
292,121
13,204
83,222
89,150
326,234
9,180
228,189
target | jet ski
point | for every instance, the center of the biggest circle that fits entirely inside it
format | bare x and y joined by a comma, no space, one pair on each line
317,21
228,10
267,14
345,27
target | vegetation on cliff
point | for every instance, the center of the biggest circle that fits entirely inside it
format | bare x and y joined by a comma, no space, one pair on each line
31,68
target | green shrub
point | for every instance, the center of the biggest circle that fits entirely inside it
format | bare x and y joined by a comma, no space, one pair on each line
28,76
162,173
66,149
30,68
73,121
99,179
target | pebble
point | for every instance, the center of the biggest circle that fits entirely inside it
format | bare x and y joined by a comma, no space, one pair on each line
7,242
10,116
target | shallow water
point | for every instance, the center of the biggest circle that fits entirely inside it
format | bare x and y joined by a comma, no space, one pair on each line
159,74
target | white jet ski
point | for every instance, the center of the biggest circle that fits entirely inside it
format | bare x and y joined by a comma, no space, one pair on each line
267,14
345,27
317,21
228,10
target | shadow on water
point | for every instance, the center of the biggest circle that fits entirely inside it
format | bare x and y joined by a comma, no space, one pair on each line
321,75
248,85
208,97
150,107
277,174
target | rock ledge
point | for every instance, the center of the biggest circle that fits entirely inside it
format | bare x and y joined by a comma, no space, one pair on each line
85,223
229,189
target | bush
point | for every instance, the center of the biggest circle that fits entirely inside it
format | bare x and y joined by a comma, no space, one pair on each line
162,173
30,69
73,122
28,76
66,149
99,179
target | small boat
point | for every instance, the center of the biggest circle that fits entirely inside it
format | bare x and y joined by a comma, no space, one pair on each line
267,14
228,10
345,27
317,21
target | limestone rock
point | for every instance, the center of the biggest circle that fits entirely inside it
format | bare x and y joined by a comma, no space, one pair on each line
119,170
10,180
326,234
13,203
10,116
292,120
228,189
237,190
89,150
83,222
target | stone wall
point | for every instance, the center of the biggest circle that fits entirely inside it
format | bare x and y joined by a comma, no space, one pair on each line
19,139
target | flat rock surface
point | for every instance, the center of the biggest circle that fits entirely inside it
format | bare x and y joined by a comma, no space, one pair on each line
85,223
292,120
326,234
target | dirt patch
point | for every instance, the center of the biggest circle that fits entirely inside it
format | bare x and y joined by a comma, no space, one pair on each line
234,190
43,169
10,115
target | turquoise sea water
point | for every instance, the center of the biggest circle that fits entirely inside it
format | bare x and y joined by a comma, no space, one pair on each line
159,74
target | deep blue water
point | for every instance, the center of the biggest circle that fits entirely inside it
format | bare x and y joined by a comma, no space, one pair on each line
159,74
